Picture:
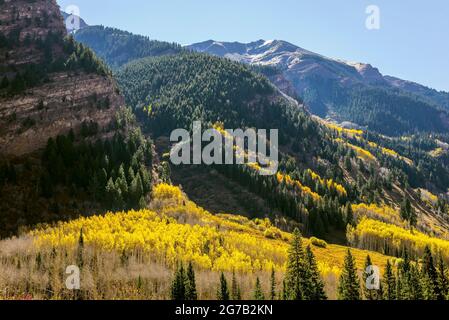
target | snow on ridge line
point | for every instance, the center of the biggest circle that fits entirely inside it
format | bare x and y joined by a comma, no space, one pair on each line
268,42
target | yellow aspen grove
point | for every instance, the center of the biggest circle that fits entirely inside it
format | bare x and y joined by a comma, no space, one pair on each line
390,239
176,229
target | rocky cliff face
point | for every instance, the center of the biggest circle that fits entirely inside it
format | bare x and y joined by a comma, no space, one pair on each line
24,21
28,120
63,98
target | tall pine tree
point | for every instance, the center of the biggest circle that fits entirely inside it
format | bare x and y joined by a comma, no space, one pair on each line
389,283
190,284
258,293
273,285
235,289
178,287
316,290
296,269
370,294
223,292
349,285
442,279
430,276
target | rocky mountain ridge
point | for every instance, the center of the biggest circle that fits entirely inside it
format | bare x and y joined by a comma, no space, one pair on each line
342,90
49,84
285,55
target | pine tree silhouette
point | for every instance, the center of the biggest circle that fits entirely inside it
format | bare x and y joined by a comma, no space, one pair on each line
349,285
223,292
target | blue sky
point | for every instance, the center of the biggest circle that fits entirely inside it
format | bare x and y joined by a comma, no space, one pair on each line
412,42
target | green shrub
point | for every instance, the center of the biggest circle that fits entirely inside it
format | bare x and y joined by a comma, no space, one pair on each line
272,233
318,242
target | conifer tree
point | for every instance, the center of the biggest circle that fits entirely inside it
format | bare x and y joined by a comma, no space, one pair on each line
408,213
296,271
5,83
415,284
223,292
413,218
399,286
349,285
283,294
178,289
235,290
316,291
136,191
349,215
258,293
80,252
428,288
409,280
404,290
429,274
142,203
389,283
405,265
369,294
121,182
405,207
273,285
442,279
190,284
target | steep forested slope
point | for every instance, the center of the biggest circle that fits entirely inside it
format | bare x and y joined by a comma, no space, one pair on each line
380,110
174,91
323,167
119,47
66,143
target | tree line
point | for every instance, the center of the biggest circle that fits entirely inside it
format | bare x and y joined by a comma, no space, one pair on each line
408,280
74,57
113,171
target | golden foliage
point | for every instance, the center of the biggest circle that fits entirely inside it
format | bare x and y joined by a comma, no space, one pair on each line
318,242
382,213
331,184
175,229
164,191
390,153
344,131
298,185
211,242
362,153
428,197
388,238
438,152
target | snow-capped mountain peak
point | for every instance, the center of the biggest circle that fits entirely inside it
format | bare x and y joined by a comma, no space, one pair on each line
311,72
287,56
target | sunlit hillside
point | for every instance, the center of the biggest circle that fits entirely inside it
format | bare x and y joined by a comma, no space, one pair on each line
119,249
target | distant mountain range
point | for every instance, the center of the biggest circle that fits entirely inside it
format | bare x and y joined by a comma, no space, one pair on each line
330,87
350,93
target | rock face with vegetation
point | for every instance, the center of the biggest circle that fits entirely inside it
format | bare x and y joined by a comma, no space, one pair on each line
49,84
23,22
65,140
